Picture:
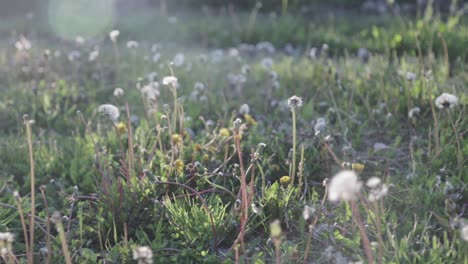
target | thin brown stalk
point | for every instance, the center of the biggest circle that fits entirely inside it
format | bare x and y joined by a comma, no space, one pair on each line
243,195
362,230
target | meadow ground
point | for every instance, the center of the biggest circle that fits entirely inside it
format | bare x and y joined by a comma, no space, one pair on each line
227,137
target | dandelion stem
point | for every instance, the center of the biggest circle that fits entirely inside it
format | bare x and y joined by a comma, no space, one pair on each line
63,239
23,222
48,242
33,189
362,230
293,171
131,154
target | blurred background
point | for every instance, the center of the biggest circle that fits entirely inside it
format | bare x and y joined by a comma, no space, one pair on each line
9,8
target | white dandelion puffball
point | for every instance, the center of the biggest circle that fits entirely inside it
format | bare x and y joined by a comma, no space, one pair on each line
132,44
113,35
244,109
110,111
144,255
446,100
344,186
295,102
373,182
118,92
267,63
308,212
413,112
170,80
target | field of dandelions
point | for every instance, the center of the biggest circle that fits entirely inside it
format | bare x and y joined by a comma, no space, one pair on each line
274,143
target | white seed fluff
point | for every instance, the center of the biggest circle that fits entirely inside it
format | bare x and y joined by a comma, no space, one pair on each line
446,100
110,111
344,186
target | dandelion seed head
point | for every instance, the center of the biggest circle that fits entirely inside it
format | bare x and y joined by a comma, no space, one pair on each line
110,111
446,100
373,182
245,69
118,92
143,255
93,55
295,102
313,52
344,186
413,112
113,35
6,237
244,109
256,208
320,125
170,80
132,44
267,63
178,59
308,212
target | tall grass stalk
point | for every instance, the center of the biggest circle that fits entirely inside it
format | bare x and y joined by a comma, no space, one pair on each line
28,123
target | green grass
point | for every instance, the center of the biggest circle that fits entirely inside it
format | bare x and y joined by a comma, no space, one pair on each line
133,183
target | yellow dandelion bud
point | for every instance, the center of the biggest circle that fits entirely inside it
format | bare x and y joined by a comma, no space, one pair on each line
176,138
249,120
224,132
179,165
238,137
275,229
205,157
197,147
121,127
358,167
285,180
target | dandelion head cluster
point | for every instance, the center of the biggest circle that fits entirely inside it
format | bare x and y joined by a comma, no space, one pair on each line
377,189
113,35
413,112
308,212
6,241
170,80
244,109
143,255
446,100
109,110
295,102
344,186
118,92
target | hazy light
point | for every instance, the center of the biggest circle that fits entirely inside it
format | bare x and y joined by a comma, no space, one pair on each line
86,18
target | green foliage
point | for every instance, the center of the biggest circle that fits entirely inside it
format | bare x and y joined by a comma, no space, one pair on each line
166,177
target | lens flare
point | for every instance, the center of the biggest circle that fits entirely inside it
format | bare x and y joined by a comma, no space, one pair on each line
86,18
